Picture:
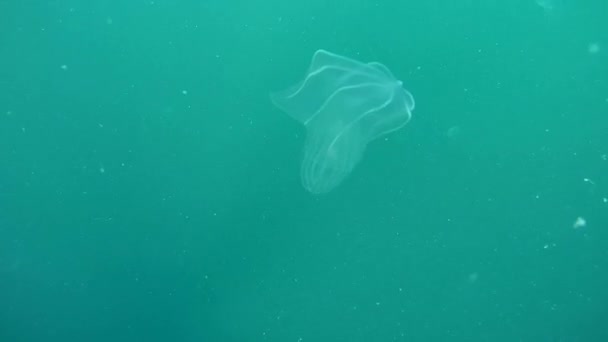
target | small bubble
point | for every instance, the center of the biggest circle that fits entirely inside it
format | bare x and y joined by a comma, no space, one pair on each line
473,277
64,67
593,48
185,92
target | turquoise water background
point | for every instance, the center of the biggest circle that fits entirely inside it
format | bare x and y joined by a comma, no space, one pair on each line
150,191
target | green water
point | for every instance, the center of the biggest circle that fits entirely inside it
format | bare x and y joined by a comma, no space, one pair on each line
150,191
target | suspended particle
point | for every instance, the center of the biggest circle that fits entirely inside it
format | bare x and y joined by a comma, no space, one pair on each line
580,222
